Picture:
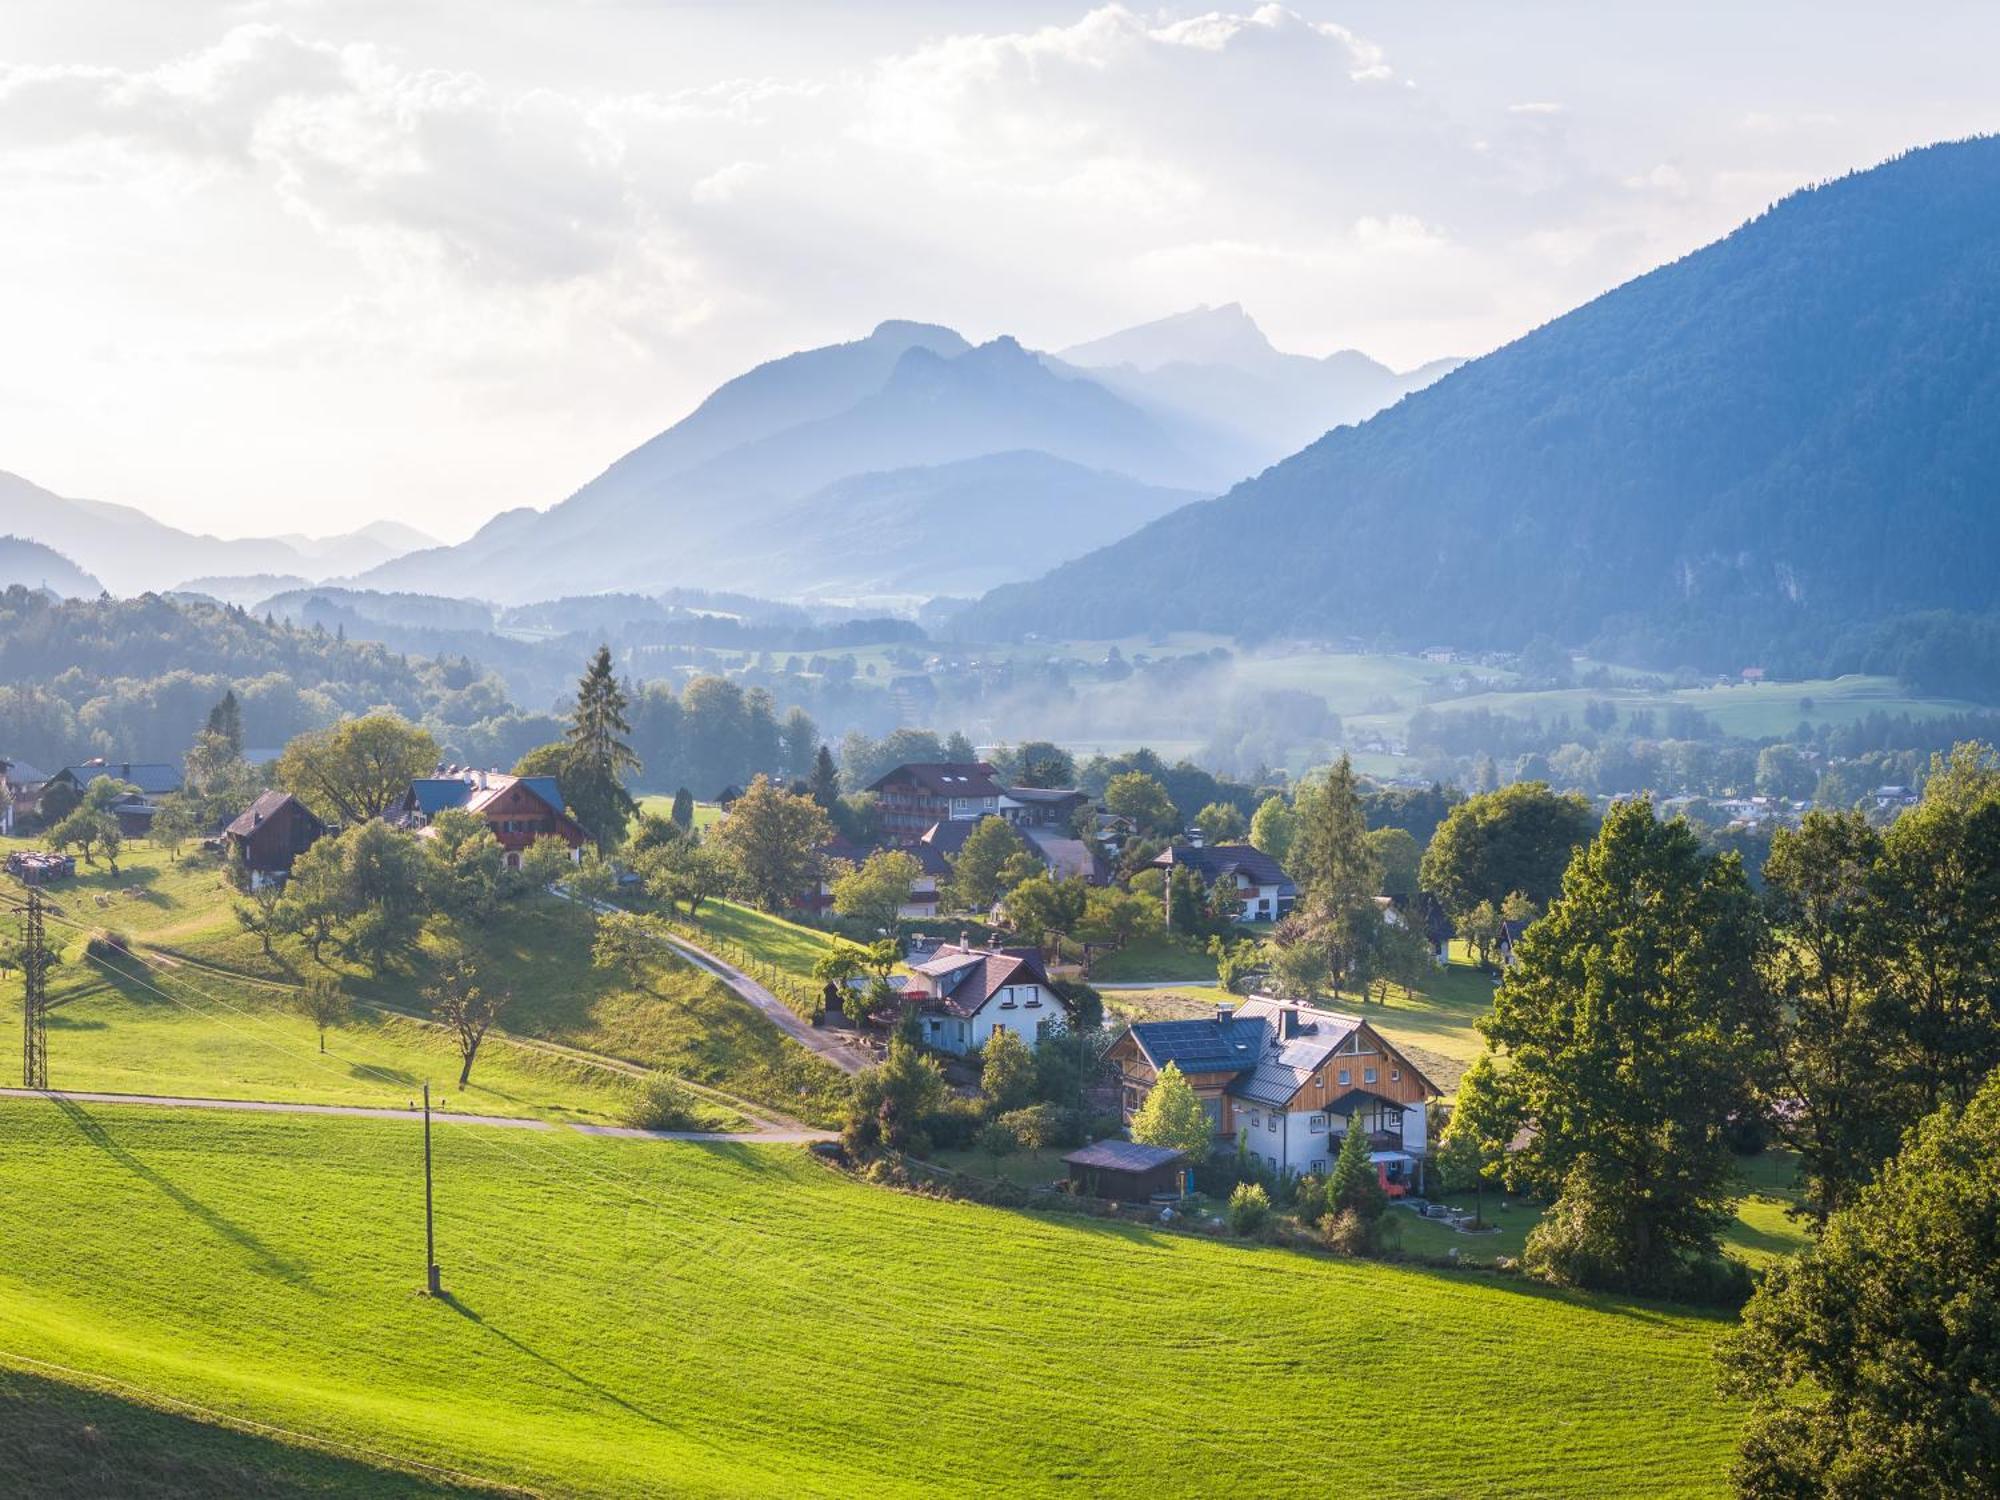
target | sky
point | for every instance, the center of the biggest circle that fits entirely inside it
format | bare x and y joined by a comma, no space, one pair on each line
288,266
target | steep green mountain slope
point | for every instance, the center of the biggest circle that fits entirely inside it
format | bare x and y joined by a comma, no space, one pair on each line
1790,431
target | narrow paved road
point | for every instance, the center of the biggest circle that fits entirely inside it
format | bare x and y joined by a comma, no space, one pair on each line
843,1054
772,1136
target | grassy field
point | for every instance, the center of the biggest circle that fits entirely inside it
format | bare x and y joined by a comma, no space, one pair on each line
661,805
207,1013
633,1318
84,1443
790,946
1761,1232
1154,956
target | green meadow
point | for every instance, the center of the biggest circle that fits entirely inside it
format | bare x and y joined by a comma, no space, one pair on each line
637,1318
197,1007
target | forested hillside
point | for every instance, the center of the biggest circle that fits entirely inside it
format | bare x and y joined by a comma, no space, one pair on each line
1730,459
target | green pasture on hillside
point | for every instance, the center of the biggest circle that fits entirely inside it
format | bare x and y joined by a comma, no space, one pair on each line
207,1013
631,1318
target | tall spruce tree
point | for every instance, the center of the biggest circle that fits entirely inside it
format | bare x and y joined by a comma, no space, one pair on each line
226,720
594,771
825,779
1335,868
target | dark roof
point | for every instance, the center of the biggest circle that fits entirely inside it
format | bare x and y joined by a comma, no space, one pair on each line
1228,859
961,980
1204,1046
155,778
941,844
21,773
1045,794
945,778
1124,1156
246,822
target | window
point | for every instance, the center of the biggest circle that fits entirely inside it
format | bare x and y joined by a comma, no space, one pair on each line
1041,1030
1271,1122
1367,1075
1317,1124
1395,1075
1319,1166
1343,1078
1035,1002
1256,1117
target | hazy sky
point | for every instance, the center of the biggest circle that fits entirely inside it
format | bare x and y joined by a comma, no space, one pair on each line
280,266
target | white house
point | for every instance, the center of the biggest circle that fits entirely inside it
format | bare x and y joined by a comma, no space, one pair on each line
966,994
1264,892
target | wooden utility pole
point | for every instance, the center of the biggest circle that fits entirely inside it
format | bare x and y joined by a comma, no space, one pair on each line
35,1003
431,1277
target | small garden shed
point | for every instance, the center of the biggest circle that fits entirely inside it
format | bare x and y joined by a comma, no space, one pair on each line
1125,1169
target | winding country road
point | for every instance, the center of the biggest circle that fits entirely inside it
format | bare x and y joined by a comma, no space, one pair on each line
769,1136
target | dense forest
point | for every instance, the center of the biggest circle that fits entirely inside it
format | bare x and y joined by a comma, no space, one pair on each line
1735,459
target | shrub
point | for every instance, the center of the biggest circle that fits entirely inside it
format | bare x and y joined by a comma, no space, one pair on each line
1310,1196
1249,1209
1348,1233
1042,1127
997,1140
663,1104
954,1124
110,943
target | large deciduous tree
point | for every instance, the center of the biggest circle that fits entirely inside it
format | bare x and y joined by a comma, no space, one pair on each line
1871,1359
874,891
772,840
1140,797
1888,969
1519,838
1637,1023
992,860
1272,827
593,774
357,769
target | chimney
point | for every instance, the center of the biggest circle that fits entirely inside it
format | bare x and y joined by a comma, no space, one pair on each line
1224,1014
1288,1021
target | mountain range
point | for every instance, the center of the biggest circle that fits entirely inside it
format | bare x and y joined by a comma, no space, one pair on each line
912,463
133,553
34,566
1791,430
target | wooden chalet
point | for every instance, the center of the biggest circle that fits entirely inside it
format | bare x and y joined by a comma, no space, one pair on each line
1291,1080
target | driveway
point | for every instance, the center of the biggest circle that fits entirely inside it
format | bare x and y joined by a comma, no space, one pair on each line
843,1054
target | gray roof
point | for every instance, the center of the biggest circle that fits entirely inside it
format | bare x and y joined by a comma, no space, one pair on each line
1228,859
151,777
1124,1156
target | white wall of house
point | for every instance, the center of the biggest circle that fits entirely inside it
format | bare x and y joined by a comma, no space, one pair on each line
1020,1008
1260,902
1414,1122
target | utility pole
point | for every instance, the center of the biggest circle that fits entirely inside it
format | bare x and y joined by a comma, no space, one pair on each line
35,1002
431,1279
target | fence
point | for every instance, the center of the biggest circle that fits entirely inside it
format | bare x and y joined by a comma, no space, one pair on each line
801,996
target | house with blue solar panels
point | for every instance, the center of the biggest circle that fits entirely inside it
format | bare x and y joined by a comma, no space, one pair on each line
1288,1081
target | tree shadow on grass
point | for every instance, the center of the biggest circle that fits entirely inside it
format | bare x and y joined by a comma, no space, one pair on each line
267,1260
603,1393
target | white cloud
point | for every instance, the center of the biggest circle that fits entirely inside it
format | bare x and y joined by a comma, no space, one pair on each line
448,270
